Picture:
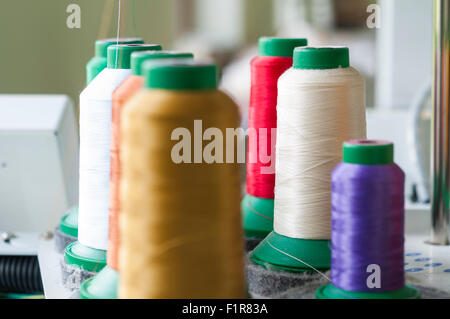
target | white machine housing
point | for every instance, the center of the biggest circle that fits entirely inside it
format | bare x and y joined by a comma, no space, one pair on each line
39,145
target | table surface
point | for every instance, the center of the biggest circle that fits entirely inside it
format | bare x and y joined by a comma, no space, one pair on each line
425,265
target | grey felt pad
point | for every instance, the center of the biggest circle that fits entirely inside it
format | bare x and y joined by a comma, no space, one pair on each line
62,240
72,277
275,284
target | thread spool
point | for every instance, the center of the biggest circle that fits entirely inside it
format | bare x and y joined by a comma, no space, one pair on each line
89,252
180,224
127,89
275,57
68,226
320,105
367,241
99,61
104,285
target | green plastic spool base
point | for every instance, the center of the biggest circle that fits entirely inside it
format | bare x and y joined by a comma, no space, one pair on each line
277,251
86,258
332,292
69,223
101,286
257,216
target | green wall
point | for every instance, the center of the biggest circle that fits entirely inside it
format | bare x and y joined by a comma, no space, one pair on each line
40,54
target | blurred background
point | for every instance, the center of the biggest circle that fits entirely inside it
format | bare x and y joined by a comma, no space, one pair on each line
40,54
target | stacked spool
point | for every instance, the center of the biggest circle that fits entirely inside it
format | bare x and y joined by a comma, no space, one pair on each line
367,238
68,226
180,225
88,255
320,105
104,284
275,57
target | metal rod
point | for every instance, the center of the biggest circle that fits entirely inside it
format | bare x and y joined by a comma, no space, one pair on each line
441,113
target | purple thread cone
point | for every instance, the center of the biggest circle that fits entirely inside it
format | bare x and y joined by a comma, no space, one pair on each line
367,226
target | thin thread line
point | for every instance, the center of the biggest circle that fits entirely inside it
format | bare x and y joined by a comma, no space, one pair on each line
123,19
134,19
253,210
298,259
118,33
105,24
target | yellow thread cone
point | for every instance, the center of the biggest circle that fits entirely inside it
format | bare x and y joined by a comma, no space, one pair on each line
180,224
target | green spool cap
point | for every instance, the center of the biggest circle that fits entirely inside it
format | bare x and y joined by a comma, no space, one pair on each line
180,75
69,222
123,53
321,58
102,45
368,152
283,47
138,57
98,62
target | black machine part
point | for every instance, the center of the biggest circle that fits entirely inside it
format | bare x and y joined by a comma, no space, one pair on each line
20,274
